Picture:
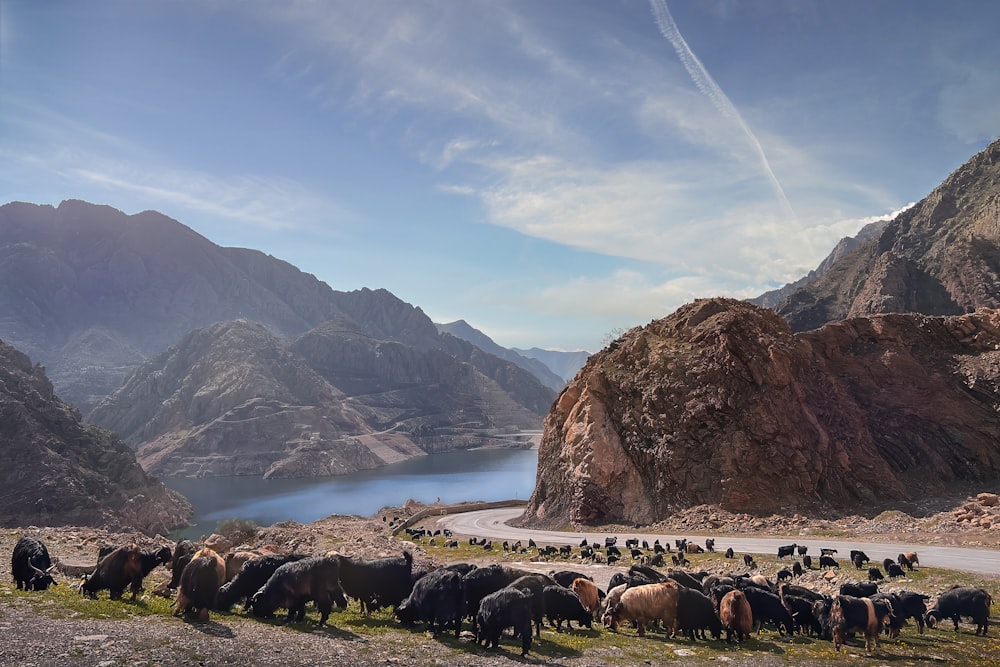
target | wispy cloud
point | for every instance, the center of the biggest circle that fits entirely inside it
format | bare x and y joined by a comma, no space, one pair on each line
270,203
667,215
707,85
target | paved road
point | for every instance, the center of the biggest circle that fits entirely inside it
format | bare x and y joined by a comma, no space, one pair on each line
492,524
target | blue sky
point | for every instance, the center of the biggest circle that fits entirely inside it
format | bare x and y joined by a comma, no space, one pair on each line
548,170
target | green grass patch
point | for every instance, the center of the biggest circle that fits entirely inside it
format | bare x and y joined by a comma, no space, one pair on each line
65,601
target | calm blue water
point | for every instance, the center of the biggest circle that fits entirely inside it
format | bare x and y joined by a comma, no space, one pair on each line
481,474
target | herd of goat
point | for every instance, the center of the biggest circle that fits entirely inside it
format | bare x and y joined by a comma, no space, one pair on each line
498,597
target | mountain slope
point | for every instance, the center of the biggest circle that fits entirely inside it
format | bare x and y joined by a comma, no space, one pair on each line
939,257
844,246
721,403
234,399
435,398
563,364
55,470
92,293
465,331
230,399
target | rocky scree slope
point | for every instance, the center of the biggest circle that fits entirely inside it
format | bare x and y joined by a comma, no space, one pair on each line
56,470
939,257
720,403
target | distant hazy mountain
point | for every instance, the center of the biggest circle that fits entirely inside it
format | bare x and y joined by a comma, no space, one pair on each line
92,293
465,331
563,364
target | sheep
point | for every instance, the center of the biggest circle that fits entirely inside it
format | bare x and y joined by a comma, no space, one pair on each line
645,604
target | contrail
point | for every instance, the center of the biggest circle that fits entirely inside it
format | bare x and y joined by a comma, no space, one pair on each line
707,85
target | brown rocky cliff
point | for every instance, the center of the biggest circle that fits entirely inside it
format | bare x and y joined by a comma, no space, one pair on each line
721,403
55,470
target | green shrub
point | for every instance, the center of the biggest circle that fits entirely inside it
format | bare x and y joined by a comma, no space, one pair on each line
237,531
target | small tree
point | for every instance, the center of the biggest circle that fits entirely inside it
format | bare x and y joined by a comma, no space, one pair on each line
612,336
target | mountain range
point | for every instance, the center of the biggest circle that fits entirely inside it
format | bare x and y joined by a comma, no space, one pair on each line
139,322
872,380
939,257
554,368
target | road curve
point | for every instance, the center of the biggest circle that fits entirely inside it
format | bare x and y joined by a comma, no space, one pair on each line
493,524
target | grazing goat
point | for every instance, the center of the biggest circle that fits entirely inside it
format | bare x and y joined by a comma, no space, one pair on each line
736,616
377,583
645,604
120,569
294,584
961,601
437,598
502,609
31,566
201,579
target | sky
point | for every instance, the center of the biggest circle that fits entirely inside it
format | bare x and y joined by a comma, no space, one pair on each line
551,171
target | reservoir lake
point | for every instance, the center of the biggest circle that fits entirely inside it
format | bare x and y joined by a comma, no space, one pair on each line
470,475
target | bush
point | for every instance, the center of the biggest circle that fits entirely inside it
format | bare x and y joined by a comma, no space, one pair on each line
237,531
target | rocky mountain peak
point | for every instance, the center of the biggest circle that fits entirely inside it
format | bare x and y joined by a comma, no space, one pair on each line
939,257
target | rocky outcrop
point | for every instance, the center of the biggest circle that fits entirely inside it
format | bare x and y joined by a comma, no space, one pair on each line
720,403
56,470
939,257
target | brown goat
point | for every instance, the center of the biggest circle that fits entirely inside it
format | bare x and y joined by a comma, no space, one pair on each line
850,614
586,590
119,569
200,582
736,616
